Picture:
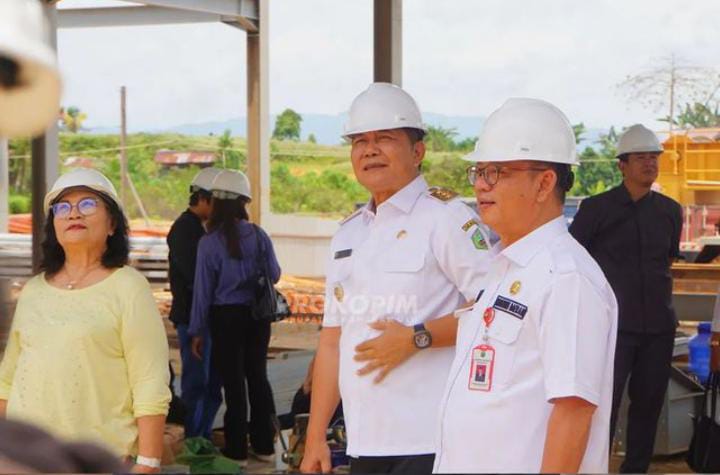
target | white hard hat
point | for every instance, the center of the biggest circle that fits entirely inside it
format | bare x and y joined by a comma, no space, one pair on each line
638,138
525,129
383,106
203,180
29,107
82,177
230,185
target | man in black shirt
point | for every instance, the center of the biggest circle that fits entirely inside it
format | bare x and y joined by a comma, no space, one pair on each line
200,384
634,235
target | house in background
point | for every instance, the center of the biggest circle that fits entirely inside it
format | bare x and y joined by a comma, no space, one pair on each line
183,159
77,161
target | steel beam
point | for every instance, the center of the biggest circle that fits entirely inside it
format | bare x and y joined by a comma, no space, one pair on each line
4,184
387,32
258,124
45,159
134,16
234,8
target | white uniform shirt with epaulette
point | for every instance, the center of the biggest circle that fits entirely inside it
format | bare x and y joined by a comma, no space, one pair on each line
552,328
421,255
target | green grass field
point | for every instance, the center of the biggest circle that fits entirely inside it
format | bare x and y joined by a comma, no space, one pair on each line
306,178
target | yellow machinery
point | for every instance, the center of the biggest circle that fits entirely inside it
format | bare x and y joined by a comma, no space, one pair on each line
690,174
690,166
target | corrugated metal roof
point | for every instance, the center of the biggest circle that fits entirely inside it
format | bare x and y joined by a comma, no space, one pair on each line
177,158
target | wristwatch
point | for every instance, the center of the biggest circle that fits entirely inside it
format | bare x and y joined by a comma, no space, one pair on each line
148,461
421,337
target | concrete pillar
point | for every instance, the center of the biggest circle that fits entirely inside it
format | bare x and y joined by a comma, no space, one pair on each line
4,184
258,123
387,59
45,157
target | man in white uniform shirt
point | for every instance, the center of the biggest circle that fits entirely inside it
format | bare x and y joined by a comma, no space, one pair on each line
530,388
411,254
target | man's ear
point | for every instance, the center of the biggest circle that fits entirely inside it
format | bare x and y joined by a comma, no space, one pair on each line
546,188
419,151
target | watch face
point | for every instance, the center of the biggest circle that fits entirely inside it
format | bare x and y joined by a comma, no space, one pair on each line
422,340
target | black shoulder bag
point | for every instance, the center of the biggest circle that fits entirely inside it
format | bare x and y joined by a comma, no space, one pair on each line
270,305
704,453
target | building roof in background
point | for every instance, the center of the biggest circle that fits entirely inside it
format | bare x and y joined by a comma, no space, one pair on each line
171,158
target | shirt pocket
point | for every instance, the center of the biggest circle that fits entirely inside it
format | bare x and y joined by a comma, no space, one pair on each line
503,336
408,258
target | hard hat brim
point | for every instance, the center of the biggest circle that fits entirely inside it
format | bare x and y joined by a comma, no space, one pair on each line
53,196
475,157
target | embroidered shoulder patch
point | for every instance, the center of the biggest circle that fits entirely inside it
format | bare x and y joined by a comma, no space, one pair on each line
478,240
442,194
469,225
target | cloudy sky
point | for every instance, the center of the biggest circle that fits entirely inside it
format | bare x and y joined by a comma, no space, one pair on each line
461,57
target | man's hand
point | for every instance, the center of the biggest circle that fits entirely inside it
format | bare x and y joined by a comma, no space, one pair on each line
387,351
316,458
715,353
197,347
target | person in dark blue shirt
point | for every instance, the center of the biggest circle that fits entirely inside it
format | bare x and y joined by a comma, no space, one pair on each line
228,266
634,235
199,383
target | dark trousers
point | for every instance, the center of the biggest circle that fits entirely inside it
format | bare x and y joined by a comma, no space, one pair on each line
200,386
415,464
646,359
239,351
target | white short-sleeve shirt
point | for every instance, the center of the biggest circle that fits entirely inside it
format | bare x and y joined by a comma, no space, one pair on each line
553,333
419,256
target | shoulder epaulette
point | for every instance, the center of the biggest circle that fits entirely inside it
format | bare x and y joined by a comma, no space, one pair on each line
356,213
442,194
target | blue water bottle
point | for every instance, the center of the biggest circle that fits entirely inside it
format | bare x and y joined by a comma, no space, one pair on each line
700,352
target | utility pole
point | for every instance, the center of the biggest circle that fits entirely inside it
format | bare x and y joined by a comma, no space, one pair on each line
673,79
125,180
4,184
123,152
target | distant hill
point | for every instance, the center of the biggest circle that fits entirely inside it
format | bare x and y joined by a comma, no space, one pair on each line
327,128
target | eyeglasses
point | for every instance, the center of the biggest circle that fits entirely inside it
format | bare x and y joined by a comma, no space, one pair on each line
86,207
491,173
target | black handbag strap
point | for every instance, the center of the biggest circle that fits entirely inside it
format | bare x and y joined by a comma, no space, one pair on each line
714,385
260,255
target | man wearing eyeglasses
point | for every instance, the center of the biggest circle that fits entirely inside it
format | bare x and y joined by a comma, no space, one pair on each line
634,235
529,389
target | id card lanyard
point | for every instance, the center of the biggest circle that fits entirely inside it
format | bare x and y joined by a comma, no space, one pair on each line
483,358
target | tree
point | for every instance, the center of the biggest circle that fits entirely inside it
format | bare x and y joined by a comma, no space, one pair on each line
287,125
73,119
598,169
671,83
579,130
311,138
440,139
697,115
230,158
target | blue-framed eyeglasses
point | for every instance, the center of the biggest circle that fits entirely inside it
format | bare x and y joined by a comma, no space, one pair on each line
86,207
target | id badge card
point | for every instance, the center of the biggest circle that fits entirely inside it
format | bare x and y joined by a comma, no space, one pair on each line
481,368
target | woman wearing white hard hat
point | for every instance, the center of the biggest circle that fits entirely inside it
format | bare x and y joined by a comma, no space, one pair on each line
228,263
87,353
